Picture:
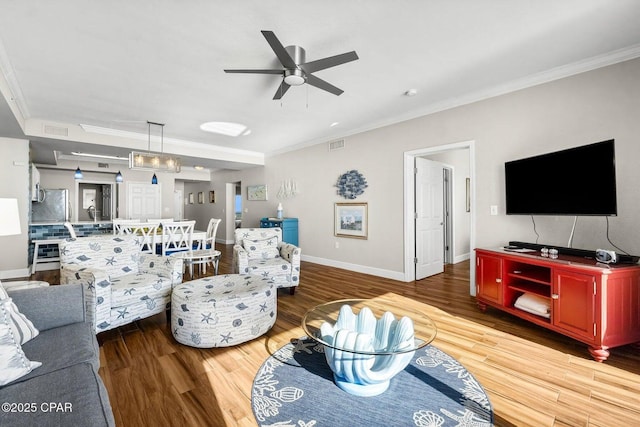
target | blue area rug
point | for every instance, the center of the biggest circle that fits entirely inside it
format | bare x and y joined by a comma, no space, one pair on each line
294,387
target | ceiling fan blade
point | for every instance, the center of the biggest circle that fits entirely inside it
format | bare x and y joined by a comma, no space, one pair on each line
321,84
255,71
279,50
282,89
331,61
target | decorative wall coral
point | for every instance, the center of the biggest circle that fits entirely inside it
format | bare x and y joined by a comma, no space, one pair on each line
351,184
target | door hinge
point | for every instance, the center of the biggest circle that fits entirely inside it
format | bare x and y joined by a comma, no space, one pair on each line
415,171
415,215
415,260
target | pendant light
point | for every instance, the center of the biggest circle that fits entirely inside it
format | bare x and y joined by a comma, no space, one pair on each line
78,174
154,179
119,178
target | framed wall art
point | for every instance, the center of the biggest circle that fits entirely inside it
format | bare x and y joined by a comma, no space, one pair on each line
257,192
351,220
212,196
190,198
200,197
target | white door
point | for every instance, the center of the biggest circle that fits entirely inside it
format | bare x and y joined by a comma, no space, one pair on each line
429,218
144,200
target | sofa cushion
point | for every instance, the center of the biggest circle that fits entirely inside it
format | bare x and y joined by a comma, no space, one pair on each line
141,309
13,362
79,345
22,327
133,288
261,248
270,268
116,255
74,396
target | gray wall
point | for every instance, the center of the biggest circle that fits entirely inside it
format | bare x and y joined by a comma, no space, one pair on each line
14,184
578,110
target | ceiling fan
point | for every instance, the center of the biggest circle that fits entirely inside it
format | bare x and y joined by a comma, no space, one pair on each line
295,71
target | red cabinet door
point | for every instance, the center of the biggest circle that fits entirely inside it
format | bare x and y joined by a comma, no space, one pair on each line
489,278
574,303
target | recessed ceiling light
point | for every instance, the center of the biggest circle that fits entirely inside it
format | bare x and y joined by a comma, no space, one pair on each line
198,167
224,128
411,92
334,124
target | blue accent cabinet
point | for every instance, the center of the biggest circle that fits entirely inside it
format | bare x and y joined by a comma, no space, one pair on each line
289,228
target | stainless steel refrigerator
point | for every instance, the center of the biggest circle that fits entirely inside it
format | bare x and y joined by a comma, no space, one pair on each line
53,207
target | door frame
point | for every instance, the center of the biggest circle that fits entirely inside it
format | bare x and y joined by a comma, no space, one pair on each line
409,205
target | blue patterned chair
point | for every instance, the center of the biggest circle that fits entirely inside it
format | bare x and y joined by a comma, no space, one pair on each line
261,251
121,283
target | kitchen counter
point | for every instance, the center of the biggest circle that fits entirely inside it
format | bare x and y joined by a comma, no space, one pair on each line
73,223
55,230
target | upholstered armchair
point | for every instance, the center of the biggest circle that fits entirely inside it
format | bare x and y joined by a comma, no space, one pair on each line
261,251
121,283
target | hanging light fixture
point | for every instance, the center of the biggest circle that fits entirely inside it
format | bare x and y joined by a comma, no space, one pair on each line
154,161
78,174
119,178
154,179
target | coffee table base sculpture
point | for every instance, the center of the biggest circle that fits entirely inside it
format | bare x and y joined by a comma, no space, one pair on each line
360,371
222,311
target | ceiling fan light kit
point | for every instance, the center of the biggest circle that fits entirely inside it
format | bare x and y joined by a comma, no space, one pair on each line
295,70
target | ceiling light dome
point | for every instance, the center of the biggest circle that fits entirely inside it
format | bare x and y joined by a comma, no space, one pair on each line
294,77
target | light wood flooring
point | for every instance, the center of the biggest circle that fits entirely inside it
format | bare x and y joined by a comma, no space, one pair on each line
533,377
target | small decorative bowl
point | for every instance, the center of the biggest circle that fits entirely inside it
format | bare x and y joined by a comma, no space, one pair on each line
365,353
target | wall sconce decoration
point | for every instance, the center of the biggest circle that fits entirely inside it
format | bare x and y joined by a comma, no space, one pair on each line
351,184
154,179
78,174
288,189
119,178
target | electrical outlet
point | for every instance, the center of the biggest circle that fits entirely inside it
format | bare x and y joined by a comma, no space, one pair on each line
494,210
337,245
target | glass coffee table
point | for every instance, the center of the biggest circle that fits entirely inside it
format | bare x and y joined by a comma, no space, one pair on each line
367,342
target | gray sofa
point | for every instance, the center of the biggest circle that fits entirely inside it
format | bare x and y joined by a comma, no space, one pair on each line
66,390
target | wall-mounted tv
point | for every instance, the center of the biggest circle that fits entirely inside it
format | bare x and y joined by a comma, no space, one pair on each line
577,181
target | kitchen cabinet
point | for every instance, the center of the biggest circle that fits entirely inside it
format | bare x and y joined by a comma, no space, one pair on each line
289,228
597,304
36,194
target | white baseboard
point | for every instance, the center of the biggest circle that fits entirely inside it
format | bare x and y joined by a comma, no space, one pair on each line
13,274
387,274
460,258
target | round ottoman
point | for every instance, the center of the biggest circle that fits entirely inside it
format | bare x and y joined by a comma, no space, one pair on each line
220,311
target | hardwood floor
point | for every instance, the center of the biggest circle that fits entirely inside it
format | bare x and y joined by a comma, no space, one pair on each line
534,377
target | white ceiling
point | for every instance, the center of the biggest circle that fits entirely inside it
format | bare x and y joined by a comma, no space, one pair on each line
117,64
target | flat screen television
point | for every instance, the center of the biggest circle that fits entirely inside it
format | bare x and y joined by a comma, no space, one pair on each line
577,181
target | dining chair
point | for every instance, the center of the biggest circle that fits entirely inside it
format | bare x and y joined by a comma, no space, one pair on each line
119,222
204,252
210,241
159,220
147,234
177,236
72,232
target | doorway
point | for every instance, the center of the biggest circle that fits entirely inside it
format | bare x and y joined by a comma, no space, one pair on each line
410,203
95,201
